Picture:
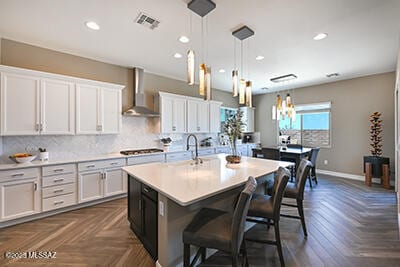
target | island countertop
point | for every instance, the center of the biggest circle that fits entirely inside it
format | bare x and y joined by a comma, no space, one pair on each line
186,183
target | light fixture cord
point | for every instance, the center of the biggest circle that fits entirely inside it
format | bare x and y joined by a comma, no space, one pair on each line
191,28
234,54
202,40
241,58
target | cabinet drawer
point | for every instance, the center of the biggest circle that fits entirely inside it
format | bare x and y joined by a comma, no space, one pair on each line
146,159
58,179
19,174
223,150
178,156
58,169
58,190
150,192
205,152
95,165
59,202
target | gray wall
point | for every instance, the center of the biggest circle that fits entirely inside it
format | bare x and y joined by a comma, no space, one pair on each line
37,58
352,102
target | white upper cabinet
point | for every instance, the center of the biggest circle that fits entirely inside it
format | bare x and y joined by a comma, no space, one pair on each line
111,111
197,116
215,113
98,110
173,114
88,109
248,119
40,103
20,109
57,107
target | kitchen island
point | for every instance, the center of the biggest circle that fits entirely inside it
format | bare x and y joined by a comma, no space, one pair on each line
177,191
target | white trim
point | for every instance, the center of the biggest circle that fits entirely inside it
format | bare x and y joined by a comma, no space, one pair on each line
158,264
349,176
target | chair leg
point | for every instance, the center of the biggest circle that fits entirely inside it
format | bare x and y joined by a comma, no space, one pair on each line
268,223
301,213
309,180
186,255
278,242
235,260
203,254
314,175
245,261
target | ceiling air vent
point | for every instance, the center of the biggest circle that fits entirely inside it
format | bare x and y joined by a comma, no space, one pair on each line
146,20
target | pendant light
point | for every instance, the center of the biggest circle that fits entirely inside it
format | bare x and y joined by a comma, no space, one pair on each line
245,87
190,66
284,108
235,74
202,8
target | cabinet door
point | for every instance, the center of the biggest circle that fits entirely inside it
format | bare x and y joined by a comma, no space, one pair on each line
248,119
166,114
19,198
87,109
90,186
203,117
192,109
58,107
215,124
197,116
114,182
135,204
179,116
110,112
20,109
150,225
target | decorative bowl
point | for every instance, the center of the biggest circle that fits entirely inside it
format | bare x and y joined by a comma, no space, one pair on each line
231,159
27,158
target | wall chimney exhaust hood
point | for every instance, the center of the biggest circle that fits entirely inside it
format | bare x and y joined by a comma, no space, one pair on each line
139,108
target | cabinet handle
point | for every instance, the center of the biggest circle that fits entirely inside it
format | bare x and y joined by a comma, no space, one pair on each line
58,170
90,166
17,175
140,204
35,186
58,202
99,128
58,191
105,176
37,127
145,189
114,163
41,127
58,180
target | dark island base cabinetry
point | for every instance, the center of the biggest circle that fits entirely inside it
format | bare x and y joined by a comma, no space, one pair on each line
143,214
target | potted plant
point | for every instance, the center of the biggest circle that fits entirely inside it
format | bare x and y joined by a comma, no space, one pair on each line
43,154
233,129
166,142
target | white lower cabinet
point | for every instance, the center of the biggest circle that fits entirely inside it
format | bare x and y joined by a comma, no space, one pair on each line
19,193
103,182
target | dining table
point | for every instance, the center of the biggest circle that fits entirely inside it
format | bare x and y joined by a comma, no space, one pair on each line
294,154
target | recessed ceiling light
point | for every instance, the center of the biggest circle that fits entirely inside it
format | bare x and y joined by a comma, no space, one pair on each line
184,39
221,71
177,55
92,25
320,36
259,57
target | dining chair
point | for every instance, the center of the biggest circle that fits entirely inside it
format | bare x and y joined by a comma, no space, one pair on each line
312,157
217,229
268,207
296,191
270,153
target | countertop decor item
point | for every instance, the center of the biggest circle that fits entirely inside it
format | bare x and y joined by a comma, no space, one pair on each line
233,129
22,157
376,131
43,154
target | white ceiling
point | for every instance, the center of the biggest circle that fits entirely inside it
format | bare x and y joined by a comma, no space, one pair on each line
363,36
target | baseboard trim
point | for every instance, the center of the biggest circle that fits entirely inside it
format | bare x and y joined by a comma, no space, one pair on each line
58,211
350,176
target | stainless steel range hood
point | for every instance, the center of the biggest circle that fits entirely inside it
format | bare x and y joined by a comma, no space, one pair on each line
139,108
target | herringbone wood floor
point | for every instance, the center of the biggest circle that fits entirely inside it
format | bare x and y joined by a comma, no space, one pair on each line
349,224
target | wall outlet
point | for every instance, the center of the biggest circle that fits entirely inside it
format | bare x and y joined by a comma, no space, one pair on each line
161,208
326,162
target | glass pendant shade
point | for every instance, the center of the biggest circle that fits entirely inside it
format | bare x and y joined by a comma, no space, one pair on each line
242,91
278,102
274,112
288,100
293,114
202,79
235,80
190,67
248,94
207,95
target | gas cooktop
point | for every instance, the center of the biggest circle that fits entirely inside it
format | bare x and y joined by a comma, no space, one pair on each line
141,151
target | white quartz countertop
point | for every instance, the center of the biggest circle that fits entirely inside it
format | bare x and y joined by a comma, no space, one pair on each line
186,183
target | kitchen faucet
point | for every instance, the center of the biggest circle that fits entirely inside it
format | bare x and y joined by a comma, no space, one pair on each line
196,158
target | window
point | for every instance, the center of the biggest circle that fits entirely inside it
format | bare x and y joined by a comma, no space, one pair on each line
311,127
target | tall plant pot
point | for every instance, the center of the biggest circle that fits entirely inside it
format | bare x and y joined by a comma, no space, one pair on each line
376,164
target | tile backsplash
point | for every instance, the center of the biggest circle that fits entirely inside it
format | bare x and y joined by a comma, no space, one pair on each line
136,133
